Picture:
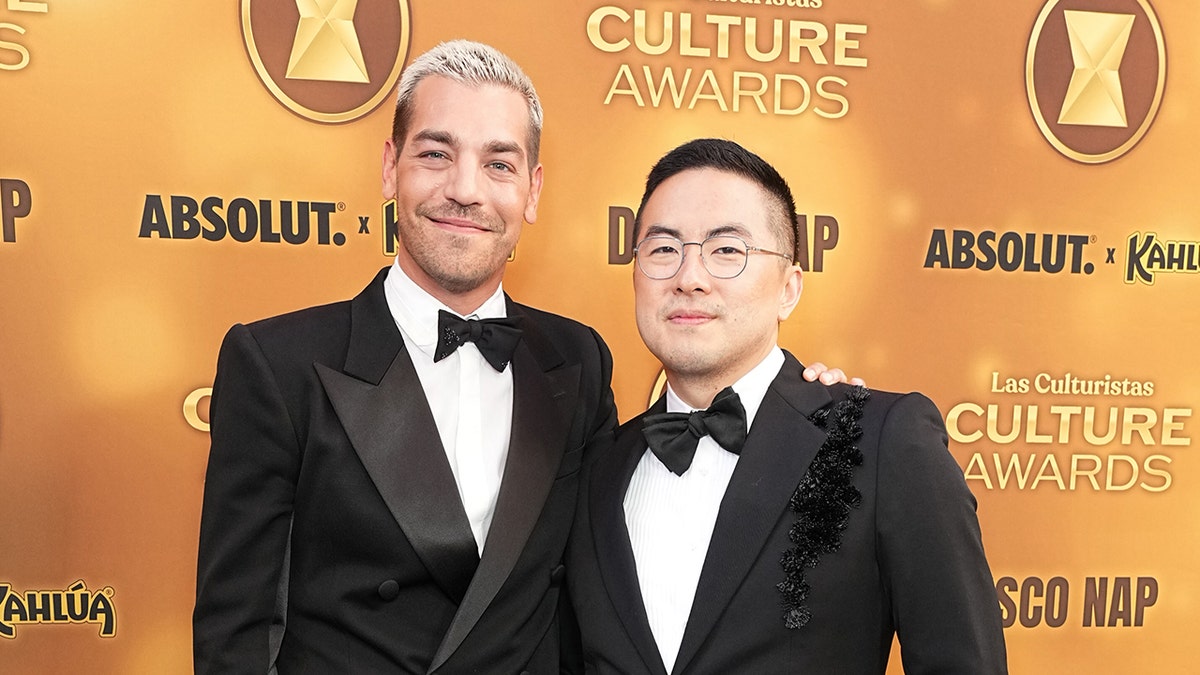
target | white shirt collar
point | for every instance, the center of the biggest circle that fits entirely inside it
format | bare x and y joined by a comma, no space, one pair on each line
750,388
416,311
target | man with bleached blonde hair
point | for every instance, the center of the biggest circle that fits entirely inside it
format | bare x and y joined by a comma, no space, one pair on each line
392,478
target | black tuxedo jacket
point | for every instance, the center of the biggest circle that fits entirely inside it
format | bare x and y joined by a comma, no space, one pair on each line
910,561
332,520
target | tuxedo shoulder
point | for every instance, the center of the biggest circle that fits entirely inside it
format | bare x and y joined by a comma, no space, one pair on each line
556,333
893,413
326,324
909,421
309,324
551,321
319,333
877,398
317,315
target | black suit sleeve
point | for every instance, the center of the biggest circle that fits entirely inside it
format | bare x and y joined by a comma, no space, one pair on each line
600,437
599,440
943,597
246,516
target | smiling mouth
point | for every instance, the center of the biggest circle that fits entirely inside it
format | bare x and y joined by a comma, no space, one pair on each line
460,225
689,318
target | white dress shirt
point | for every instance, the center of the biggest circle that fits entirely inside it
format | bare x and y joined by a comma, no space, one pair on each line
471,402
671,518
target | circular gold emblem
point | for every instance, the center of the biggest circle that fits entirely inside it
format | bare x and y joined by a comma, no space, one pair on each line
327,60
1095,72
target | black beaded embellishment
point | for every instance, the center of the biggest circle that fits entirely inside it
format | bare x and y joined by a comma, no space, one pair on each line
822,502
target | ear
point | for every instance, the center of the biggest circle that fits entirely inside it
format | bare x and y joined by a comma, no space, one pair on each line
390,152
789,293
535,192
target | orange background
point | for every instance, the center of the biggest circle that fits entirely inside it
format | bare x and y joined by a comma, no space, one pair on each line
104,334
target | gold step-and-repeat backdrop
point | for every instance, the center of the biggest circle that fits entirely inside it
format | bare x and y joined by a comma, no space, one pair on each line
1001,204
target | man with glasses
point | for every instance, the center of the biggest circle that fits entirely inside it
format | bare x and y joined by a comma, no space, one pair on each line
752,522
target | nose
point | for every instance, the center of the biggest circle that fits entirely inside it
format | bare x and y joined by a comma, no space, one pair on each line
692,275
464,184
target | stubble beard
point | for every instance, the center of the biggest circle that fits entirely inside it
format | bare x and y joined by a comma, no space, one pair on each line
450,259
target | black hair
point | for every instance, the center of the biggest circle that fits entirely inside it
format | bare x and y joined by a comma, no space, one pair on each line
723,155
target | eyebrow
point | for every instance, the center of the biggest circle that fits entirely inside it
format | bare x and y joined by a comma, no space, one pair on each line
661,230
504,147
436,136
495,147
729,228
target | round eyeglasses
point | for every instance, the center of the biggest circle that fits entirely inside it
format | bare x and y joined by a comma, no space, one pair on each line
724,255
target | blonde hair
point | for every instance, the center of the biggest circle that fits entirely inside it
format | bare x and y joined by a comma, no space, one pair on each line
470,63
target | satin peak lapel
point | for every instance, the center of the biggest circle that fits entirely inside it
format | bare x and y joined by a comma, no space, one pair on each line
543,406
393,432
781,445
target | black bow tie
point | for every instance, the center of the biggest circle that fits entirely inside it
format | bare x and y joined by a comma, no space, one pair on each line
496,339
673,436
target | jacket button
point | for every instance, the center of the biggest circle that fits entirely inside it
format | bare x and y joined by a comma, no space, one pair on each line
389,589
557,574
